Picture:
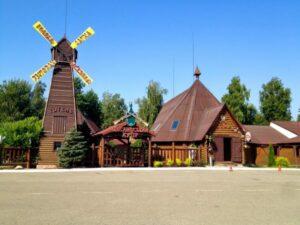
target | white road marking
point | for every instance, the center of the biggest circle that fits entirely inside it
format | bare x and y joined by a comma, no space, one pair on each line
212,190
257,190
97,192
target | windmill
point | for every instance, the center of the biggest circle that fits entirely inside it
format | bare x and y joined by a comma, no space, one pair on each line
61,112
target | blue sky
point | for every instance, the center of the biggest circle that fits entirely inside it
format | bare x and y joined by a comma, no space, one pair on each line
137,41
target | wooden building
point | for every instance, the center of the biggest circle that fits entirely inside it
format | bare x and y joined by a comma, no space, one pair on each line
116,143
284,136
61,113
195,124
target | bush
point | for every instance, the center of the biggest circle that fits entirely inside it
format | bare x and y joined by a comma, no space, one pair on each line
158,164
188,162
282,162
137,144
22,133
178,162
198,163
74,150
170,162
271,160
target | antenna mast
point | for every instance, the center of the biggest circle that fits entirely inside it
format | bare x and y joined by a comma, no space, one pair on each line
173,76
193,46
66,18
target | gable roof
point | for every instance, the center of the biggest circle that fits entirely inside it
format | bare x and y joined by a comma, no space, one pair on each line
81,119
196,109
266,135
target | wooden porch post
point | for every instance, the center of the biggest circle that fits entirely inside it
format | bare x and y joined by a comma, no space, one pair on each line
173,150
28,158
199,153
93,154
101,152
149,152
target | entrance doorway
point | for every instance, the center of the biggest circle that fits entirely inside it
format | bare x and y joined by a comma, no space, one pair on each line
227,149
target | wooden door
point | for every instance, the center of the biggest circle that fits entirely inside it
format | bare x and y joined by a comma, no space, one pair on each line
218,148
236,150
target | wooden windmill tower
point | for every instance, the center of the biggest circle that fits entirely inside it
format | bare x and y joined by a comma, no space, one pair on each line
61,112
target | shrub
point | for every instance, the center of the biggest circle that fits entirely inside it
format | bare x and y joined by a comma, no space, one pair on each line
178,162
271,160
24,133
282,162
170,162
188,162
198,163
74,150
158,164
137,144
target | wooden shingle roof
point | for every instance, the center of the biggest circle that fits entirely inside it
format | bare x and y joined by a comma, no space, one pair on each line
195,110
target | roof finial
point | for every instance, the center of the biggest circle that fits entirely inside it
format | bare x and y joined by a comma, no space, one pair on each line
197,73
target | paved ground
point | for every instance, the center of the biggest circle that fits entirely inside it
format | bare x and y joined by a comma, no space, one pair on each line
151,197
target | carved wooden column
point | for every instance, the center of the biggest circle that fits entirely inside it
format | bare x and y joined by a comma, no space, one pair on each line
149,152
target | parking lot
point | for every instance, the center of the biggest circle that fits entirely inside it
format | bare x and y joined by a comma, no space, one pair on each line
151,197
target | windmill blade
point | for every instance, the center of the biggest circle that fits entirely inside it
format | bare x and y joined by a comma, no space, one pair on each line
83,37
83,75
42,71
38,26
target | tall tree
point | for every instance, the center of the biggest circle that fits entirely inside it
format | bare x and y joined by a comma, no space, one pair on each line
275,101
151,104
237,100
113,107
88,102
38,100
15,97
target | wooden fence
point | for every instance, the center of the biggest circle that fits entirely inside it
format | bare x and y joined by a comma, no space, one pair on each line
174,152
15,156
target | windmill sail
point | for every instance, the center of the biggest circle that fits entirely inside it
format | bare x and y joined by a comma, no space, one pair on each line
38,26
42,71
83,37
83,75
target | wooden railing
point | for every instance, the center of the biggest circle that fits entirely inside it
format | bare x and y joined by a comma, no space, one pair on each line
15,156
175,152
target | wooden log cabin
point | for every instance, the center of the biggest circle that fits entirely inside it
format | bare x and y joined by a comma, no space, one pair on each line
284,136
194,124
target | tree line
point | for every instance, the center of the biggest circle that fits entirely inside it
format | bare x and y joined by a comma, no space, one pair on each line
19,100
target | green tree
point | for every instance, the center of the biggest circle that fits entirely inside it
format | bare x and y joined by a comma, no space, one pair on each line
88,102
113,108
38,100
275,101
151,104
22,133
15,97
260,119
271,160
298,119
237,100
74,150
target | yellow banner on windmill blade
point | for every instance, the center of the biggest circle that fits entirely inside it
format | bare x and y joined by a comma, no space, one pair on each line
41,72
38,26
83,75
85,35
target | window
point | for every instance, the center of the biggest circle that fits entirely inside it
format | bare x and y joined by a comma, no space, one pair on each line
56,145
297,151
175,124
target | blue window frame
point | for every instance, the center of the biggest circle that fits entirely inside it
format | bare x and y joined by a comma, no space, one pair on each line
175,124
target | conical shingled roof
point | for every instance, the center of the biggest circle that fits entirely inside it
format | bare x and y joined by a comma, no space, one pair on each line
196,110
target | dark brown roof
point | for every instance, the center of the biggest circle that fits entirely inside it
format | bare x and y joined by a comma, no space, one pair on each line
196,109
81,119
291,126
268,135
